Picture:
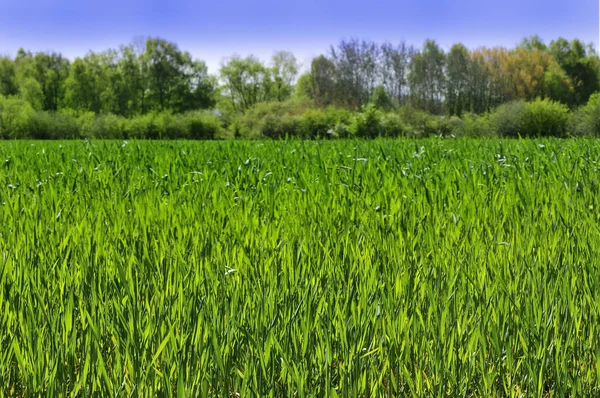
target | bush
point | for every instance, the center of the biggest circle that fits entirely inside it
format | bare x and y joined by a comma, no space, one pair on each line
534,119
52,125
15,117
274,126
367,123
419,123
171,126
586,120
393,125
545,118
270,119
203,126
507,119
470,125
381,99
142,126
106,126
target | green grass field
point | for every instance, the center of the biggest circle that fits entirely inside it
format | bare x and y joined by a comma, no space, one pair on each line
301,269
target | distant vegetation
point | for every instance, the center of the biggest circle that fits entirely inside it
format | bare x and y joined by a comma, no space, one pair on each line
358,89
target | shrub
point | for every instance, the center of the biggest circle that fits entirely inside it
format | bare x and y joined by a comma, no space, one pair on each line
171,126
545,118
270,119
419,123
53,125
274,126
15,117
367,123
586,120
203,126
533,119
506,120
314,123
393,125
108,126
470,125
142,126
381,99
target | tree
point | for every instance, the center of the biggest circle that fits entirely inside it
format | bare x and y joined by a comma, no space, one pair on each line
426,77
246,82
533,43
395,63
526,70
357,70
8,77
303,88
479,82
15,114
49,71
381,100
324,81
84,86
457,80
580,65
558,84
175,80
284,70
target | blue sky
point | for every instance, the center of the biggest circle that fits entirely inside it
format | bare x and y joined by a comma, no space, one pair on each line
212,30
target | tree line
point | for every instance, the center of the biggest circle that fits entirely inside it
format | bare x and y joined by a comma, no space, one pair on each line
157,76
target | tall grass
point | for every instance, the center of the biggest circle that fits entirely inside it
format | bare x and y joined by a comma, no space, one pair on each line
346,268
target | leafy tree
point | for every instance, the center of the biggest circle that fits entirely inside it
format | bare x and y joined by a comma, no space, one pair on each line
303,88
457,80
284,70
381,100
357,71
84,86
175,80
324,81
580,65
395,62
8,77
50,72
246,82
479,82
533,43
559,85
526,71
426,77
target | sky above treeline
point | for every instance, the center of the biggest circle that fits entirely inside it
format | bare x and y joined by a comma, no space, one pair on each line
214,30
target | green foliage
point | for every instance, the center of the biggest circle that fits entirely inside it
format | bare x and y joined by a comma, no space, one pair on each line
393,125
46,125
356,268
381,99
202,126
507,119
559,86
105,126
530,119
586,120
367,123
471,125
246,81
423,124
545,118
271,119
321,123
15,117
304,87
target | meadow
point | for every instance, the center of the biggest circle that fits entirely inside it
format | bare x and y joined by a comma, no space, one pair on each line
433,267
